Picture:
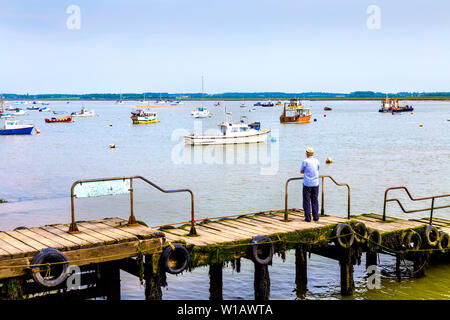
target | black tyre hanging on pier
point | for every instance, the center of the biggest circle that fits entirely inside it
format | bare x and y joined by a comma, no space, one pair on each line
412,240
175,259
431,236
444,241
261,250
360,230
49,268
344,236
374,240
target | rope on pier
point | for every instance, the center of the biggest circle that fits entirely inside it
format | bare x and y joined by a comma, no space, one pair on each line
139,251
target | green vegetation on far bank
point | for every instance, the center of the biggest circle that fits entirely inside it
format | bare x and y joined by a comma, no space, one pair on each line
232,96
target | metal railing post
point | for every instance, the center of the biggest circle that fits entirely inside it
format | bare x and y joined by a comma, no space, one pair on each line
322,209
431,213
132,219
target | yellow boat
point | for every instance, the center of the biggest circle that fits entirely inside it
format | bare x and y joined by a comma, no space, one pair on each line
141,116
295,104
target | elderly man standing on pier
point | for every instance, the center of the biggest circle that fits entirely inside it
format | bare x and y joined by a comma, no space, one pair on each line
310,171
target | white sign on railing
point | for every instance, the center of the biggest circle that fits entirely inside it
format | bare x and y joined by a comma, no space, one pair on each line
101,188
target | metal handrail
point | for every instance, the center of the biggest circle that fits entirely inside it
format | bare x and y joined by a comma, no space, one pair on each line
432,208
322,209
132,220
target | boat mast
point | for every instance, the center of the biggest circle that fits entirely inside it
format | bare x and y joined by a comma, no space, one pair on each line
202,91
2,105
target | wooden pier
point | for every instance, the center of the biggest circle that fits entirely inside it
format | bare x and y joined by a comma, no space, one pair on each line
101,248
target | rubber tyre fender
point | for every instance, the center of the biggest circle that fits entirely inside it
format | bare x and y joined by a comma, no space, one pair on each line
408,240
20,228
344,229
444,241
256,242
360,230
181,254
49,255
431,235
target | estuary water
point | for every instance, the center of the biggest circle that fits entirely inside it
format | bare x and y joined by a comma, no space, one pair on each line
370,151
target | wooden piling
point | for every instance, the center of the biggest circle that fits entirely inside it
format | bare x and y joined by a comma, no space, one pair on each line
346,265
215,282
108,280
301,278
398,271
154,277
262,282
371,259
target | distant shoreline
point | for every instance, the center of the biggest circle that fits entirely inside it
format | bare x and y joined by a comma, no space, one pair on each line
240,99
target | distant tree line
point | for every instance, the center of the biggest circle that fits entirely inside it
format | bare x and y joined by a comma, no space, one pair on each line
227,95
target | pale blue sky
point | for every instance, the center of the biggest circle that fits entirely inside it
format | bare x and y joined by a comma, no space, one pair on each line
237,45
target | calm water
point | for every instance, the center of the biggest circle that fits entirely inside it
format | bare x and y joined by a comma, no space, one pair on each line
370,152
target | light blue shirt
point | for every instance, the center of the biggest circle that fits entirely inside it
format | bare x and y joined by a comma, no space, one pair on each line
310,166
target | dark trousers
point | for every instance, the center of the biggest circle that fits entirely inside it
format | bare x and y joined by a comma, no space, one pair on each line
311,199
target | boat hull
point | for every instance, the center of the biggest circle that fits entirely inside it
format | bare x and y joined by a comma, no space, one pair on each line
221,140
144,121
58,120
26,130
396,110
295,119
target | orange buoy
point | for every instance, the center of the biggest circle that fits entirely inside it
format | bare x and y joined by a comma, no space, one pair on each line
421,125
412,112
324,115
37,131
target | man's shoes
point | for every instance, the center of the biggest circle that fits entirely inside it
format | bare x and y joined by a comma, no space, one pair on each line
307,220
315,220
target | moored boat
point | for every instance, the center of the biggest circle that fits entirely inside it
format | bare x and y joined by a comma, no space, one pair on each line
17,112
140,116
392,106
33,108
45,109
298,115
267,104
327,109
56,120
83,113
12,127
200,113
231,133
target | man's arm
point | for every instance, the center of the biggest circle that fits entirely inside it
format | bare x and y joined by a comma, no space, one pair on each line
302,168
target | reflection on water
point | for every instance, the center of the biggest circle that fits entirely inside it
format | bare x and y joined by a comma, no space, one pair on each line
370,152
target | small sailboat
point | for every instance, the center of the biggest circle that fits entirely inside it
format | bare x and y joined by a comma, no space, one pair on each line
120,101
45,109
83,113
12,127
140,116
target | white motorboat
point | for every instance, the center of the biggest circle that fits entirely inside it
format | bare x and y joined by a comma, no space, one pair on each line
231,133
45,109
200,113
252,110
83,113
16,112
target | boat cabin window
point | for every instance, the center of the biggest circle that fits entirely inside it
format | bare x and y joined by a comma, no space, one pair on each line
235,130
223,129
243,129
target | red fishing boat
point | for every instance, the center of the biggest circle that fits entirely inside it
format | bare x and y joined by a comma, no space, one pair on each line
62,119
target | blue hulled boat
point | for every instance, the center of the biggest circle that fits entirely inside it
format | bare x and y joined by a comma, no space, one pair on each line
12,127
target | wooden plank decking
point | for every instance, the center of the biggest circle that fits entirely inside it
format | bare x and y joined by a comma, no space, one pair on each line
271,223
98,241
